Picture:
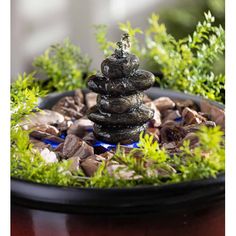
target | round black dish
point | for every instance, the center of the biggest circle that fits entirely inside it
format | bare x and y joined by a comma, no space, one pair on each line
142,199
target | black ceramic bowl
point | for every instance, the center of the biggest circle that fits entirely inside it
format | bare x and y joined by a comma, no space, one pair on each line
145,199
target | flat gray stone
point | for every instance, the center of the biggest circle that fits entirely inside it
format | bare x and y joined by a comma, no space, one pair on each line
115,67
139,81
119,104
138,116
122,135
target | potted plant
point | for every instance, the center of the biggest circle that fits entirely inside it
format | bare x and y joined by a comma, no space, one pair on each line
56,164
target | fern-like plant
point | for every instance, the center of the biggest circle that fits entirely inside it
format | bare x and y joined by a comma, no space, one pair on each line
187,63
63,66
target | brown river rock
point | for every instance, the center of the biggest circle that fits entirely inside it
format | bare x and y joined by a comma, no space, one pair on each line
74,146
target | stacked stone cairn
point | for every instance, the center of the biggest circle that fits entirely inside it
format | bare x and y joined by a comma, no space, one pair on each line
120,115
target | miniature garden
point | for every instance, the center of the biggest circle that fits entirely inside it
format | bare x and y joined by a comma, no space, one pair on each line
87,128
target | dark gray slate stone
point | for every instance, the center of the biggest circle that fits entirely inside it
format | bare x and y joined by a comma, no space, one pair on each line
122,135
119,104
115,67
138,116
139,81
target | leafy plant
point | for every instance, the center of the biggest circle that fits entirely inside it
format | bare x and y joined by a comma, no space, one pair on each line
25,92
204,161
26,162
146,165
63,66
187,63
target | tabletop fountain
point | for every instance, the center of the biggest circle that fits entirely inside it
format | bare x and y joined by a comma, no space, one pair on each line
120,115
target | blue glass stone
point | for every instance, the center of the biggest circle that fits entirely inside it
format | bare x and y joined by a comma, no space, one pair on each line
109,146
63,135
53,144
179,119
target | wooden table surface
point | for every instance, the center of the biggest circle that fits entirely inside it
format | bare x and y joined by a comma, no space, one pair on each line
29,222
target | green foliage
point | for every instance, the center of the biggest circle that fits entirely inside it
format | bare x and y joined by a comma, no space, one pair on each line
184,15
101,37
204,161
146,165
25,92
187,63
26,162
64,66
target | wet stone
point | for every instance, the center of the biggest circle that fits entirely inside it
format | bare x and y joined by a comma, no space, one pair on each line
140,81
136,117
115,67
124,135
119,104
120,114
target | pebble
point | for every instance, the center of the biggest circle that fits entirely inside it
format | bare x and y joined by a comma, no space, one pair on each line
74,146
91,164
47,129
43,135
44,117
192,117
156,120
172,133
48,156
70,106
217,115
81,127
91,99
164,103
